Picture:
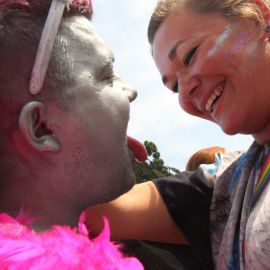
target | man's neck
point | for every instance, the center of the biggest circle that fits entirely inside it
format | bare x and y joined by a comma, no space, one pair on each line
45,209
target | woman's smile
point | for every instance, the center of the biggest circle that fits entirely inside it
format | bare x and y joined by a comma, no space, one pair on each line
211,62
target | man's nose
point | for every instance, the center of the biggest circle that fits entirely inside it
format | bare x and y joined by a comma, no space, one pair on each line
130,91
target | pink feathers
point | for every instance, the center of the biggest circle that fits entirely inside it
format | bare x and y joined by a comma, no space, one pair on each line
60,248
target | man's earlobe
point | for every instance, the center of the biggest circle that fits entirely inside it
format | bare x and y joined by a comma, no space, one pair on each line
34,128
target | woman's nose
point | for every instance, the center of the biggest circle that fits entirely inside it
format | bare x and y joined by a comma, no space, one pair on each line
188,86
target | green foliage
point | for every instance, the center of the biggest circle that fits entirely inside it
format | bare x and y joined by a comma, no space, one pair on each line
153,167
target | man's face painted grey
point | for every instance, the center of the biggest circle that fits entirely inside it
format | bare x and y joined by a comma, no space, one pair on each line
95,154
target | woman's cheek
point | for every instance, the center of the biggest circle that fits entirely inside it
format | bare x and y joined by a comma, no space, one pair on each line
187,106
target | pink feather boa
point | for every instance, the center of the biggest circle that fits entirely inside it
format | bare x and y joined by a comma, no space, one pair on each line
59,248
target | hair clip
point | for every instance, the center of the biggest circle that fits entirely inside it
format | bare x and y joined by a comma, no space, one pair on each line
46,43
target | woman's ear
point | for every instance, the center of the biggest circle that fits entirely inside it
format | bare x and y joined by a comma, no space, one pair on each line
265,12
33,127
264,8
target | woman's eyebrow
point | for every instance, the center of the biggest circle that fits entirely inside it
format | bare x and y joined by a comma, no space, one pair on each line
172,56
172,53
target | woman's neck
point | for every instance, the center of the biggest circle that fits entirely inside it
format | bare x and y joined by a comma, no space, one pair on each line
263,136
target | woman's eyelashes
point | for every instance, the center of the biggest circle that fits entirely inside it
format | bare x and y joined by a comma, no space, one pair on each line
186,61
189,56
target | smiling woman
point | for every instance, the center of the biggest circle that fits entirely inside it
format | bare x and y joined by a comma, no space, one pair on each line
210,53
210,67
216,56
134,64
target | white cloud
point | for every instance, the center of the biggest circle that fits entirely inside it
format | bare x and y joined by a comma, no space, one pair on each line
140,9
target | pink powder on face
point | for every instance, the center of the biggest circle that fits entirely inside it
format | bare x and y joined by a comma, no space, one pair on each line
220,41
240,45
251,48
240,42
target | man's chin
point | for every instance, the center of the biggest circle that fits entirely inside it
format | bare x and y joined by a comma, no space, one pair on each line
122,179
129,182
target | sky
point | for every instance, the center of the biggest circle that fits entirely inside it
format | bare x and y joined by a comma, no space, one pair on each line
155,115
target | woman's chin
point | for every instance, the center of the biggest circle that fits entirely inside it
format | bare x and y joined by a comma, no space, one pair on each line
229,128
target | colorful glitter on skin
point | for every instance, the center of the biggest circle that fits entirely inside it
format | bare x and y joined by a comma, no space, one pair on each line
240,42
220,41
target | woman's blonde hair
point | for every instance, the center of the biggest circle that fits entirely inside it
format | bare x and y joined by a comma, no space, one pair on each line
203,156
228,8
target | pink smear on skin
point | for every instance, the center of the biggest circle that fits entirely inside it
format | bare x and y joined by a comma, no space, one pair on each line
240,45
240,42
61,247
220,41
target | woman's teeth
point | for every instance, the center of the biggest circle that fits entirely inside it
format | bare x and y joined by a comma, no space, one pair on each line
210,103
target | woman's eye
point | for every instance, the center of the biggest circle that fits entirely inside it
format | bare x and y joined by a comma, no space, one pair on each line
189,56
175,88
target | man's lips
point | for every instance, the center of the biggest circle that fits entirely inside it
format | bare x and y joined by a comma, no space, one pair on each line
137,148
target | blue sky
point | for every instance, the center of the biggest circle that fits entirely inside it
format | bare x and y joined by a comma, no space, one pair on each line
155,114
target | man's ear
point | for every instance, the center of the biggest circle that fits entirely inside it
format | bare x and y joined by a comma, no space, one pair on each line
33,126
